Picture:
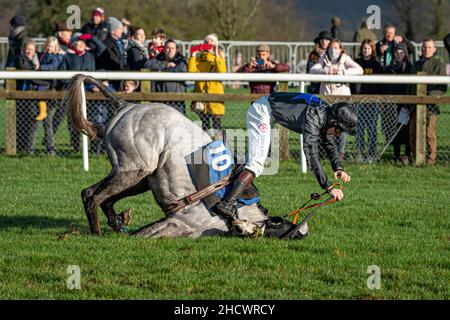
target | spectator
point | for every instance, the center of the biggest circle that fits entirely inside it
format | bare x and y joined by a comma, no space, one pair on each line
211,60
263,64
364,33
16,40
367,114
126,29
385,47
81,60
336,62
320,47
447,46
400,66
113,58
137,52
156,46
170,60
97,26
130,86
26,123
336,28
49,60
64,34
432,64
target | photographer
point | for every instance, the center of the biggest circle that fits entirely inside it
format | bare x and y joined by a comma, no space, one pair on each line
208,58
263,64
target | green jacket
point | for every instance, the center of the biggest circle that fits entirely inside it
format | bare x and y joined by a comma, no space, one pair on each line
433,66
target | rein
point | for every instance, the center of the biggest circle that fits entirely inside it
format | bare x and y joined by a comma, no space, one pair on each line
314,196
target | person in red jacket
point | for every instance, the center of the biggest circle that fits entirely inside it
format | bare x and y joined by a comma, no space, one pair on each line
263,63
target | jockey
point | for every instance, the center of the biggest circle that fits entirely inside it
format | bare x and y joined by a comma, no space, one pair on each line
303,113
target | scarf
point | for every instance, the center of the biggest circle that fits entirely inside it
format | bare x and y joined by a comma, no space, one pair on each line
16,31
142,48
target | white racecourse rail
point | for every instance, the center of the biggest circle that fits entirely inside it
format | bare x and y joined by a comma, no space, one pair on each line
160,76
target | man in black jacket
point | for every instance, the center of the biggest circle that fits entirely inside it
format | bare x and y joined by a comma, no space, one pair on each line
16,39
302,113
114,57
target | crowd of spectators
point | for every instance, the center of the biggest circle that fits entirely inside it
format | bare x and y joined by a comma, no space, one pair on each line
395,55
118,45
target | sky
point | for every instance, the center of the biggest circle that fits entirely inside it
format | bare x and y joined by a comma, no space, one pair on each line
350,12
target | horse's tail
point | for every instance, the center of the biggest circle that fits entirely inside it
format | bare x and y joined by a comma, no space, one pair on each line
73,102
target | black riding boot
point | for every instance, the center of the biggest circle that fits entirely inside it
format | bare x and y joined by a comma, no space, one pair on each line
227,207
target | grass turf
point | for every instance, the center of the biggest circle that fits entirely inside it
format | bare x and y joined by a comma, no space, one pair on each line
394,217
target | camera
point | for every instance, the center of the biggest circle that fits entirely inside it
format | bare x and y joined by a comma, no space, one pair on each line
259,62
201,47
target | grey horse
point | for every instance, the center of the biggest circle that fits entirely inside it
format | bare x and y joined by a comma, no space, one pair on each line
146,145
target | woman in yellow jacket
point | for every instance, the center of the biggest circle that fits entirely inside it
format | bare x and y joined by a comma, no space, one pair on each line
211,60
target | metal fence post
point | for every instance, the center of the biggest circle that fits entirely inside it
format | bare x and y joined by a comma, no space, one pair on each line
10,119
284,133
421,126
303,163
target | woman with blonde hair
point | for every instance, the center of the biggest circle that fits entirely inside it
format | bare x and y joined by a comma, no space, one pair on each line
49,60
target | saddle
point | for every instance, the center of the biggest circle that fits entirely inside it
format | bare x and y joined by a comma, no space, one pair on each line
207,194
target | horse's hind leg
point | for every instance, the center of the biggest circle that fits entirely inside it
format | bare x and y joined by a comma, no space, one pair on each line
114,184
108,205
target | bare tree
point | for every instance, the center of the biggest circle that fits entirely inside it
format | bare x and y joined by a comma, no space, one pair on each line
231,18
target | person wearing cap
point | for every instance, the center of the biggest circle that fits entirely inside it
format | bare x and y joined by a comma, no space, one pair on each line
320,47
433,65
114,57
263,64
209,60
97,26
16,39
302,113
64,34
400,66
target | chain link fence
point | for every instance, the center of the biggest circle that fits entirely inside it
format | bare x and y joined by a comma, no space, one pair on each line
379,135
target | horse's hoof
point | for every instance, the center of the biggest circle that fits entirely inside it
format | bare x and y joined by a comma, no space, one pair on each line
126,216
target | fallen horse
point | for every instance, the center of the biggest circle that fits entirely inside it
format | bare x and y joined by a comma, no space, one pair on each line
153,147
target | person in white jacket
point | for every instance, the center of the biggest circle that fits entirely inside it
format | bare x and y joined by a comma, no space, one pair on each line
336,61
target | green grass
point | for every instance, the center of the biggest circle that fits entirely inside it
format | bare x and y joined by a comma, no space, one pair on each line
394,217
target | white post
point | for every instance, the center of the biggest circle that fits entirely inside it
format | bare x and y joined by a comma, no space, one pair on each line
84,137
302,152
